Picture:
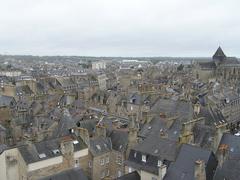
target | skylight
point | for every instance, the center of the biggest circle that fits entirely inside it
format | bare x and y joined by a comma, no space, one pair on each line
41,156
98,147
75,142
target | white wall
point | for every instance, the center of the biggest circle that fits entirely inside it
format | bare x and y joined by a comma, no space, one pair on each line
81,153
45,163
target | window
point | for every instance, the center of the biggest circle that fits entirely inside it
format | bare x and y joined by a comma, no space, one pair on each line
159,163
41,156
102,174
90,164
144,158
119,159
135,154
119,173
76,163
102,161
107,172
129,169
107,160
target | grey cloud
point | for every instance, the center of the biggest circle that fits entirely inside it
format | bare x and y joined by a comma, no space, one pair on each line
119,27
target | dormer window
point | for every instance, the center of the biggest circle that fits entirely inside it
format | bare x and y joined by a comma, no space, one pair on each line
56,151
135,154
144,158
41,156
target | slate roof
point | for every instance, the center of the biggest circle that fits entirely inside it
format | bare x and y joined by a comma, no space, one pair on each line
183,167
162,148
219,54
155,148
137,99
119,140
131,176
213,116
231,167
23,90
89,124
3,147
159,124
204,136
72,174
100,145
207,65
171,107
6,101
30,152
66,122
179,110
65,81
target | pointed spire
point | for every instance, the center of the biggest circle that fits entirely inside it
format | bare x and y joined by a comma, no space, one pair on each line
219,54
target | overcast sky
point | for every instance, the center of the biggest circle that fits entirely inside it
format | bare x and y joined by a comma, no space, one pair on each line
120,27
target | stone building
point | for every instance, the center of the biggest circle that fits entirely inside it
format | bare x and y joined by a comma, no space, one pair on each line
45,158
221,67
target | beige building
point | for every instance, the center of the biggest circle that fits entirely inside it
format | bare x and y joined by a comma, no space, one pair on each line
34,161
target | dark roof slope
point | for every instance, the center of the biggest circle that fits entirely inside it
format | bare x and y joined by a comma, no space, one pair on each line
155,149
183,168
72,174
119,140
31,152
219,54
131,176
100,146
231,166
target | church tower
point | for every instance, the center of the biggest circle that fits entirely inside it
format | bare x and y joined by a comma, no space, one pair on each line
219,56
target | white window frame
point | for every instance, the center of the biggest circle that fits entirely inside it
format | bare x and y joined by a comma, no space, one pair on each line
107,172
159,163
76,162
102,161
90,164
119,159
119,173
144,158
135,154
107,160
130,169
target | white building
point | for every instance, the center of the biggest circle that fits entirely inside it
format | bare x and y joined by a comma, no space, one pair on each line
98,65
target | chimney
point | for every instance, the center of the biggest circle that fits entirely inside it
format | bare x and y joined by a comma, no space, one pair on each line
199,170
220,130
223,154
83,133
132,139
66,145
197,108
162,170
101,131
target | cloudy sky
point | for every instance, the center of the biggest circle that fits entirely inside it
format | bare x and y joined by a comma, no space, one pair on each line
119,27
